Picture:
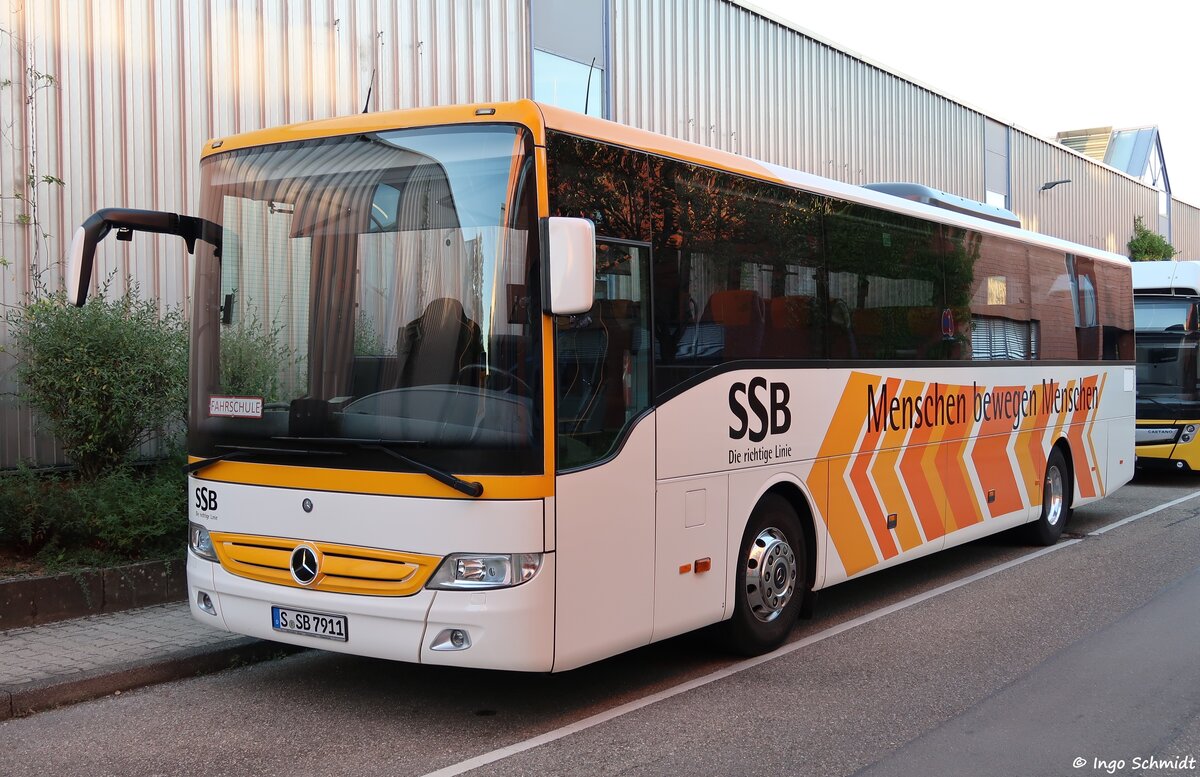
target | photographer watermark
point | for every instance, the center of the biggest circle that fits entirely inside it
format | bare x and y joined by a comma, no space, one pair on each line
1183,763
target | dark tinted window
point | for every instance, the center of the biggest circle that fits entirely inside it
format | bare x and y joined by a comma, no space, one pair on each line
744,269
1001,325
884,290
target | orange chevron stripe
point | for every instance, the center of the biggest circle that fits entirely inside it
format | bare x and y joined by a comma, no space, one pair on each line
1060,421
1062,416
848,421
962,502
1037,447
1085,463
1030,458
1091,426
862,481
827,479
925,492
846,528
990,456
887,479
918,465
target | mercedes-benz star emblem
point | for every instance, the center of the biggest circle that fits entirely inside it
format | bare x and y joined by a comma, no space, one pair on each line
304,565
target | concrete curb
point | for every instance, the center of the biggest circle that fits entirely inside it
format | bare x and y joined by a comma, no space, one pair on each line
32,601
38,696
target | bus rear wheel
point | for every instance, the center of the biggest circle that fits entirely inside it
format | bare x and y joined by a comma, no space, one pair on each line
1056,502
771,577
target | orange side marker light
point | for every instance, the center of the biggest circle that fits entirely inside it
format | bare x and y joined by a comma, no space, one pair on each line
703,564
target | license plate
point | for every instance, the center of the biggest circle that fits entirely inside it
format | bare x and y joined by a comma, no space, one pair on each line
313,624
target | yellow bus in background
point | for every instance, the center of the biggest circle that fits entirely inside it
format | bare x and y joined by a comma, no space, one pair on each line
1166,297
511,387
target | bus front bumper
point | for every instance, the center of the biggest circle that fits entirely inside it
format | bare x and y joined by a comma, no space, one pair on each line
507,628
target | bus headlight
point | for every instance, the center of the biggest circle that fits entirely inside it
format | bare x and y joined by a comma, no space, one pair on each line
200,543
475,571
1189,432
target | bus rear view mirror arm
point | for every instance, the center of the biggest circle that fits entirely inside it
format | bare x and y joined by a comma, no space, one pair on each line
570,262
126,221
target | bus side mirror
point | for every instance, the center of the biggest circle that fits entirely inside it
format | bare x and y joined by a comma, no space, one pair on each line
126,222
83,256
571,262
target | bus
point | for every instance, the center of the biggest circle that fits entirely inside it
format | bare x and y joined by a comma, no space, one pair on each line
1165,299
505,386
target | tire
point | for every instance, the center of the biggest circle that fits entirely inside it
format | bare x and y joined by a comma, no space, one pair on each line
1056,502
766,607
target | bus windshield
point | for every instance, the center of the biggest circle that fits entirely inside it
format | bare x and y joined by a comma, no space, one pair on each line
1166,350
1163,314
374,295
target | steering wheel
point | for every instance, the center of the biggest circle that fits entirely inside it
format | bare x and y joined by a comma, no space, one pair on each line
513,380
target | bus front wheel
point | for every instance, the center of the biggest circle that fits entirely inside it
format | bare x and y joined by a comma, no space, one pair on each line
1056,502
771,576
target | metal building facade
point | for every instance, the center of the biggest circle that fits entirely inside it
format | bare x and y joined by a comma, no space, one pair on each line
717,74
139,85
1097,208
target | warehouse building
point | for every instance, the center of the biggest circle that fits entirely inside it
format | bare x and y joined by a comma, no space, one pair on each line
109,104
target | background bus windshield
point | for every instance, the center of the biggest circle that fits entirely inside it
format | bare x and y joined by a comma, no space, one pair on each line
1166,351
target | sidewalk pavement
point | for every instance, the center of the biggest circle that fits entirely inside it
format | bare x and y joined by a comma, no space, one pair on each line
75,660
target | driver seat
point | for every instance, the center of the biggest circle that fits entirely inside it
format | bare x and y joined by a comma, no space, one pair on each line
435,347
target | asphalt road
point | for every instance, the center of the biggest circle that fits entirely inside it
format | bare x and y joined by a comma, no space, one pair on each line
990,659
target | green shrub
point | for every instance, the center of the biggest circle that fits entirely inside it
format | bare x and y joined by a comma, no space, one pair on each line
253,361
103,378
32,511
1147,245
122,515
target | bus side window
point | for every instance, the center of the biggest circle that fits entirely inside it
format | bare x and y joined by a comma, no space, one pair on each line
1001,325
603,358
1116,313
1082,273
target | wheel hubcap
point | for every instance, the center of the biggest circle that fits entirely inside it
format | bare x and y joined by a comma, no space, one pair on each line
1054,496
770,574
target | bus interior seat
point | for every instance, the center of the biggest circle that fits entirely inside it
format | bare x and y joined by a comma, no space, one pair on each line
789,328
582,351
839,331
742,316
435,347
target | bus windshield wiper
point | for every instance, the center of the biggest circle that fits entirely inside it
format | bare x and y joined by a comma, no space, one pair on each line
468,487
237,451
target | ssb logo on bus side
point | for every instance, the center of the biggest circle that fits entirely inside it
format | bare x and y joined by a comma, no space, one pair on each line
206,499
768,402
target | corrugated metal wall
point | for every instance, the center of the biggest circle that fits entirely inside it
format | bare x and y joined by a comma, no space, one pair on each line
1185,229
714,73
1097,208
141,84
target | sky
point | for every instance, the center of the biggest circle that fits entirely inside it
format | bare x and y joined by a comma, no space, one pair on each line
1041,66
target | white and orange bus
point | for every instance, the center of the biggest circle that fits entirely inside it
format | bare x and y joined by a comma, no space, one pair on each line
507,386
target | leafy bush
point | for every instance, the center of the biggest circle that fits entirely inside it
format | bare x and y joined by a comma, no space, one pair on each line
122,515
1147,245
104,378
253,361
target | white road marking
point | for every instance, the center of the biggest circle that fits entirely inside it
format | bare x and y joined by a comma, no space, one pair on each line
1144,513
741,666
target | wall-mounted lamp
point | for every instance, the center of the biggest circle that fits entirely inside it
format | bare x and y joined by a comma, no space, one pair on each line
1052,184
